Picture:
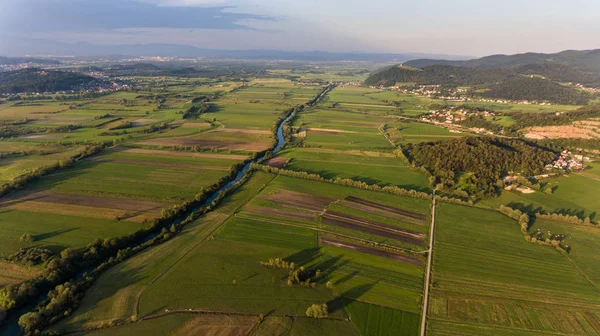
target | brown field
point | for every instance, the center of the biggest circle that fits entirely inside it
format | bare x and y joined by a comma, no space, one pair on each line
195,124
371,204
362,221
83,200
380,212
372,251
143,122
278,162
349,152
279,213
188,154
160,164
328,130
368,105
245,131
216,325
207,144
23,111
585,129
41,136
84,206
300,200
13,273
371,230
58,120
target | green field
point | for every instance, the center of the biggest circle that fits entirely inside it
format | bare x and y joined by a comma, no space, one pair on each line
372,168
487,280
229,278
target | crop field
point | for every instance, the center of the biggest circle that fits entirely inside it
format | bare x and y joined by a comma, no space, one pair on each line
115,191
339,129
379,168
487,280
281,221
402,132
522,108
584,240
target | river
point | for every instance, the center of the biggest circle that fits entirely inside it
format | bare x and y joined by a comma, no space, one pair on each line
11,325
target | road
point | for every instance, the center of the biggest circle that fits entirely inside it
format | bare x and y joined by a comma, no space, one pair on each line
428,273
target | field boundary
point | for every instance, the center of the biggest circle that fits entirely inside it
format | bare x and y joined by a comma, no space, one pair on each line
428,273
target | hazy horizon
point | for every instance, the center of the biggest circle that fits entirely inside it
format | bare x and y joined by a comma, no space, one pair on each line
384,26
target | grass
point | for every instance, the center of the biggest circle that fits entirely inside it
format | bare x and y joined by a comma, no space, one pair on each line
56,231
574,194
15,273
373,320
488,280
383,170
416,132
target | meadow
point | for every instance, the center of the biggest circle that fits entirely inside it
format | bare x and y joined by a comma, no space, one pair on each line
383,169
573,194
487,280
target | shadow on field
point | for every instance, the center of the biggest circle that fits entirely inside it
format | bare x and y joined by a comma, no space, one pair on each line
54,233
305,256
530,208
342,300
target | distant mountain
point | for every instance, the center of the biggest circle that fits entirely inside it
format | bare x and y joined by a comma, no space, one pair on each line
582,60
19,60
37,80
46,47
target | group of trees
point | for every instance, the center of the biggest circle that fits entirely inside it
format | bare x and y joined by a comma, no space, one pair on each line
31,256
37,80
317,311
478,164
564,218
554,240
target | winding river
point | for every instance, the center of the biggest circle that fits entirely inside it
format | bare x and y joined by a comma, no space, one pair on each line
11,325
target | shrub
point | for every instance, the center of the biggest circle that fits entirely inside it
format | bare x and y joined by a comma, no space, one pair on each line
317,311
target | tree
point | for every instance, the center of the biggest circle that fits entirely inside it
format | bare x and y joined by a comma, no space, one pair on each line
317,311
27,238
29,322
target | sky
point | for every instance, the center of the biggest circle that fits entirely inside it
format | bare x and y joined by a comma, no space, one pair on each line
459,27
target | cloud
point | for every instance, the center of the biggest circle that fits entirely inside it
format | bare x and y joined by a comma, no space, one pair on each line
86,15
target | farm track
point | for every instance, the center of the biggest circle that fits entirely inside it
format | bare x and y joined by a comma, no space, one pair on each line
428,273
385,135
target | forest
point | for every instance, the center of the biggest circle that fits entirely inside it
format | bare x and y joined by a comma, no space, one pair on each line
535,88
36,80
521,83
477,164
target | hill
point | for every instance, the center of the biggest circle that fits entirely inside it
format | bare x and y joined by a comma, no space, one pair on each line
504,83
19,60
584,60
437,74
535,88
37,80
